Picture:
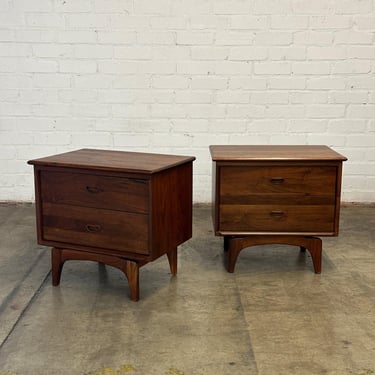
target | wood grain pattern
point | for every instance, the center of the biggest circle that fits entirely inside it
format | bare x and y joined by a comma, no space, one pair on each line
271,152
288,194
277,180
121,208
171,212
96,227
99,191
277,218
117,161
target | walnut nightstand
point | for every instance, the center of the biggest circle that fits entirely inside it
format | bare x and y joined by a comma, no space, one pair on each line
276,195
123,209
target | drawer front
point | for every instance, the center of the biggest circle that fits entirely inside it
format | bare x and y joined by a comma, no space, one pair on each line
122,231
262,185
280,218
78,189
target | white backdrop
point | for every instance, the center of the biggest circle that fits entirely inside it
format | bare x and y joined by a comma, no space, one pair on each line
174,76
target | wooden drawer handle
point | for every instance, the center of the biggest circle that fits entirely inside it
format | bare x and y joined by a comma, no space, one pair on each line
93,189
277,213
277,180
93,228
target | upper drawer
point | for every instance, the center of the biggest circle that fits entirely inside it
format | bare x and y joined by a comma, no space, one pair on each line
248,183
78,189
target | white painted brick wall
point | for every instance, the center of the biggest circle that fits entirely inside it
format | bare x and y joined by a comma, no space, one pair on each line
178,75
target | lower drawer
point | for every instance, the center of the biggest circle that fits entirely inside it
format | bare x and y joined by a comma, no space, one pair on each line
284,218
116,230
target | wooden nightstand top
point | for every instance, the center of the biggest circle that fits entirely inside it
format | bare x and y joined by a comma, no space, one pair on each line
269,152
114,161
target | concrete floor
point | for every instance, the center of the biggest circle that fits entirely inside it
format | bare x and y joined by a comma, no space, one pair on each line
272,316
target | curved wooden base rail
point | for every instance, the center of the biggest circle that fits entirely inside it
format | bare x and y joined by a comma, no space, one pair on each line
129,267
234,245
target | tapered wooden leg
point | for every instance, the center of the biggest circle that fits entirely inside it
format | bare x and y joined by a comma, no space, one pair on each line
315,249
312,244
131,271
235,247
172,258
57,264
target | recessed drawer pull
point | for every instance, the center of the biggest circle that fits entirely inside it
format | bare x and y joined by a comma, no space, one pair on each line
139,180
93,189
93,228
277,180
277,213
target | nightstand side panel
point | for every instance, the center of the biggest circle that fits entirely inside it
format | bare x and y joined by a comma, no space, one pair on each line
171,208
